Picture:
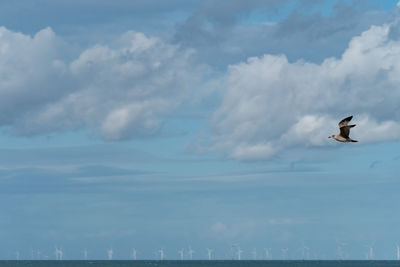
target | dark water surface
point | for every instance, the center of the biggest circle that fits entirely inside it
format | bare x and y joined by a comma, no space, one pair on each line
221,263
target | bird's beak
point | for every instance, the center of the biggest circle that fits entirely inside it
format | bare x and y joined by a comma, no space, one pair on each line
329,136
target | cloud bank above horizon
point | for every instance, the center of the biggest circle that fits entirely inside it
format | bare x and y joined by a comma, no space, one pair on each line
128,87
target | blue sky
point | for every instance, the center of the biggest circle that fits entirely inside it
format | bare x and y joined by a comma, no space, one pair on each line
169,124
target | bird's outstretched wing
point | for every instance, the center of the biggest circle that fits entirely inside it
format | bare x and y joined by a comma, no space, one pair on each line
345,130
345,122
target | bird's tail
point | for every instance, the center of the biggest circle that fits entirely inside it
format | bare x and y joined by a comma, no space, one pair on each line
351,140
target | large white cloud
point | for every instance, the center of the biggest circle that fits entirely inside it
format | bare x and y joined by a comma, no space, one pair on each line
270,104
31,72
119,90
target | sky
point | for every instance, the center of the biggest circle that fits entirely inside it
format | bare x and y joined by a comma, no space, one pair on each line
204,124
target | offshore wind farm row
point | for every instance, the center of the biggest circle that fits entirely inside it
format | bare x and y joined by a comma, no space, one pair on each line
235,253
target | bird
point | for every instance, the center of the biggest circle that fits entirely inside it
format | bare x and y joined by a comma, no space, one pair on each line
343,136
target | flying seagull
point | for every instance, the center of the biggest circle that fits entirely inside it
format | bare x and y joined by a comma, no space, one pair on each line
343,136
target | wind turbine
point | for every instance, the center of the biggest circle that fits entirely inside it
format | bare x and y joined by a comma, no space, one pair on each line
133,254
398,252
59,254
284,253
267,253
161,251
305,252
181,253
371,253
209,253
254,253
340,252
190,252
17,254
239,253
110,253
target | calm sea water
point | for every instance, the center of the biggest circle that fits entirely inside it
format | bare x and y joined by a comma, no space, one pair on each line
202,263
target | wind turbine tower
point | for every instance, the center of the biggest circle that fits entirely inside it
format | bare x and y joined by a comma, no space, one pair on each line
209,253
17,254
190,252
239,253
305,252
181,253
284,253
85,254
267,253
134,254
254,253
340,253
161,251
232,251
398,252
371,253
110,253
59,254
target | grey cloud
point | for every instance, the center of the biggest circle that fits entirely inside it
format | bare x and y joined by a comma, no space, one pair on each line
314,26
119,91
217,33
32,72
212,24
65,16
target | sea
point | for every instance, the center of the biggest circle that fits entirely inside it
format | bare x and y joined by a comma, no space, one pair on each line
203,263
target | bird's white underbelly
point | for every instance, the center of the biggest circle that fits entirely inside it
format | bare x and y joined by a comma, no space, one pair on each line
341,139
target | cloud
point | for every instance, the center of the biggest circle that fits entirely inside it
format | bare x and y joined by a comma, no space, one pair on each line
92,18
118,91
211,28
125,88
32,72
227,33
271,104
